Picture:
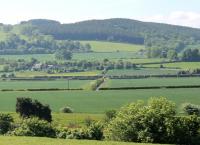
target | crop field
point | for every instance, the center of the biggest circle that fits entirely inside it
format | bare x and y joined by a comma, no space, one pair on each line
35,73
60,84
100,46
143,71
148,82
97,101
5,140
180,65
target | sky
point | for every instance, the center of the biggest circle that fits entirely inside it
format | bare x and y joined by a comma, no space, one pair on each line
178,12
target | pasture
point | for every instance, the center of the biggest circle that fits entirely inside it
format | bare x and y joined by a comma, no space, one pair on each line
5,140
31,74
101,46
66,119
60,84
97,101
142,71
179,65
148,82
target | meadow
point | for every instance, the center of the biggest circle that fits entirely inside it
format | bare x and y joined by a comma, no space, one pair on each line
65,120
48,141
97,101
60,84
143,71
179,65
31,74
148,82
101,46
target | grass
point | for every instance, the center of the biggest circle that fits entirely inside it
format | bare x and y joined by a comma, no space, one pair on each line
35,73
61,84
100,46
102,55
143,71
97,101
77,56
151,82
180,65
66,119
5,140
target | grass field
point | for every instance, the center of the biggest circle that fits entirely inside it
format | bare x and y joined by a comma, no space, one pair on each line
35,73
151,82
108,55
143,71
99,46
61,84
77,56
97,101
65,119
180,65
4,140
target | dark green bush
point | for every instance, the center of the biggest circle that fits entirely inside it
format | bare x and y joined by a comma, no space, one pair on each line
5,123
35,127
95,131
66,110
27,108
191,109
110,114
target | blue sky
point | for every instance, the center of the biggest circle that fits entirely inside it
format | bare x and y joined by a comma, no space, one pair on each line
180,12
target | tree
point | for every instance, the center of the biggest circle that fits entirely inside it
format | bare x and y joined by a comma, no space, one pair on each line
63,55
138,122
27,108
172,54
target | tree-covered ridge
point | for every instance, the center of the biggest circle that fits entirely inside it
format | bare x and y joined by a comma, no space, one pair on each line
158,38
27,39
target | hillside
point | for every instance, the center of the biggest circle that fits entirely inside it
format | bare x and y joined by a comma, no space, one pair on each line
44,36
153,35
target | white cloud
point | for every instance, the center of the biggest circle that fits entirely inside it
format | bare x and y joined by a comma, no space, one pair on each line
191,19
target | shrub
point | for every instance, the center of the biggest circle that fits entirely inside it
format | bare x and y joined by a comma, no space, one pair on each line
184,130
109,115
5,123
138,122
88,121
34,127
191,109
95,131
66,110
27,108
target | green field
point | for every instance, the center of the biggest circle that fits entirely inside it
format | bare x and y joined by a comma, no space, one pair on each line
36,73
4,140
117,83
65,119
143,71
180,65
77,56
97,101
100,46
61,84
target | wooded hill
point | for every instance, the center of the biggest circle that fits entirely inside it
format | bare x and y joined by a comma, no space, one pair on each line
157,38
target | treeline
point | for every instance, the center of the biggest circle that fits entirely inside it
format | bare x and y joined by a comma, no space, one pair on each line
65,66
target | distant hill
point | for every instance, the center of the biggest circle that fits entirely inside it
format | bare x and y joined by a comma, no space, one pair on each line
157,38
162,37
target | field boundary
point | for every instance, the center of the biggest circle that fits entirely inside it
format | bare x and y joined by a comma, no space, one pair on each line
151,87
